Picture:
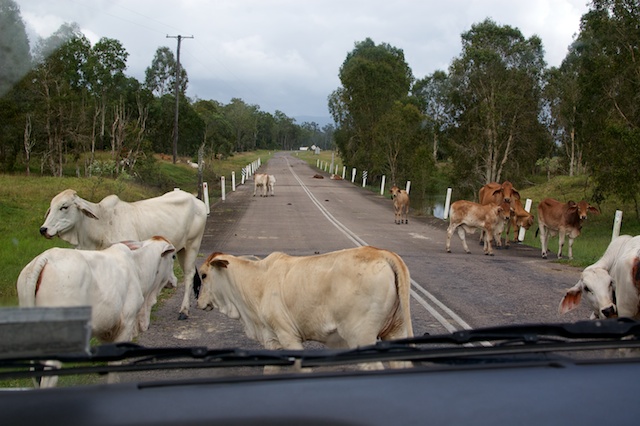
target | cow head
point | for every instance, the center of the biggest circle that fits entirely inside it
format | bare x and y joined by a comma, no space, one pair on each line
598,289
64,212
581,209
394,191
212,292
509,192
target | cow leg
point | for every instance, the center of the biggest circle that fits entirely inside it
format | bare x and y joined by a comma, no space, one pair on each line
570,248
450,231
543,241
462,236
561,244
488,236
187,259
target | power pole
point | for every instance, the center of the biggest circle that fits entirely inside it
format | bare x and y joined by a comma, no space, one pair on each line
177,95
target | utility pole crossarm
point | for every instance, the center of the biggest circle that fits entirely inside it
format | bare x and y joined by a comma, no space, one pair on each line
177,96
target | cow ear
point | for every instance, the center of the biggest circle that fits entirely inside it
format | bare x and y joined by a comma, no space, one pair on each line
571,299
516,194
85,208
497,191
168,250
219,263
593,210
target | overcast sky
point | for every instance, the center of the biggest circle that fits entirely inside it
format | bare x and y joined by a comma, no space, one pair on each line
285,54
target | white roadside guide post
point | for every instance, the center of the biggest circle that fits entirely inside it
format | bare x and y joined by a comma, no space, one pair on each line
617,221
344,171
408,187
205,194
233,181
384,178
364,178
527,208
353,175
447,202
222,186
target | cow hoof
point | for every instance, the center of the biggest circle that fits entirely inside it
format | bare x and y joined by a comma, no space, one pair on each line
182,316
448,251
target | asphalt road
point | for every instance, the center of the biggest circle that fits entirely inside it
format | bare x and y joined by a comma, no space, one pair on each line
307,215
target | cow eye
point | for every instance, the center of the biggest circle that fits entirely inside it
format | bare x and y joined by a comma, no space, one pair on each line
204,276
587,289
64,207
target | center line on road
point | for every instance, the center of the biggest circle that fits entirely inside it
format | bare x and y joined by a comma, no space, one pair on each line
448,324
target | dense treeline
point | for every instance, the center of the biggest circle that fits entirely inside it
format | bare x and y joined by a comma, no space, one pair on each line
499,113
63,100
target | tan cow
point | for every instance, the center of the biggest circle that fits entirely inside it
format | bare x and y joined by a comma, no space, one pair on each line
556,218
519,218
344,299
260,180
495,193
467,216
400,204
271,183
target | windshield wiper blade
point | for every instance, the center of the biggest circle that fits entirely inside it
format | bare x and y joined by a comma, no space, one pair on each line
504,340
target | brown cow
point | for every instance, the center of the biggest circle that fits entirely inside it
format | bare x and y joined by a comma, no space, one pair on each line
400,204
467,216
556,218
519,218
495,193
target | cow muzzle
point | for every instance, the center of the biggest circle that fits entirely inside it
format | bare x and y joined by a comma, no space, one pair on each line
44,233
609,312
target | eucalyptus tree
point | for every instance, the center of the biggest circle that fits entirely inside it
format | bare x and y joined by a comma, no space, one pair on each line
160,76
373,78
218,133
60,81
105,67
432,96
496,97
243,119
608,50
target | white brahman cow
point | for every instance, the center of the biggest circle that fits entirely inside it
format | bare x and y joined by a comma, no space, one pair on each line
346,298
272,184
611,286
467,216
177,215
260,180
120,283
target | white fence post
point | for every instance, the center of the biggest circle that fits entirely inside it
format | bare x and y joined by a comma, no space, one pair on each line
344,171
527,207
233,181
384,178
223,189
353,175
617,221
205,194
447,201
408,186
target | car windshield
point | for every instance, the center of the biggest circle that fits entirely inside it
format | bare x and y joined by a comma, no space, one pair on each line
208,190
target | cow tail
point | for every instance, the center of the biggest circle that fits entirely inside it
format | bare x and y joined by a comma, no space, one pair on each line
403,287
29,281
